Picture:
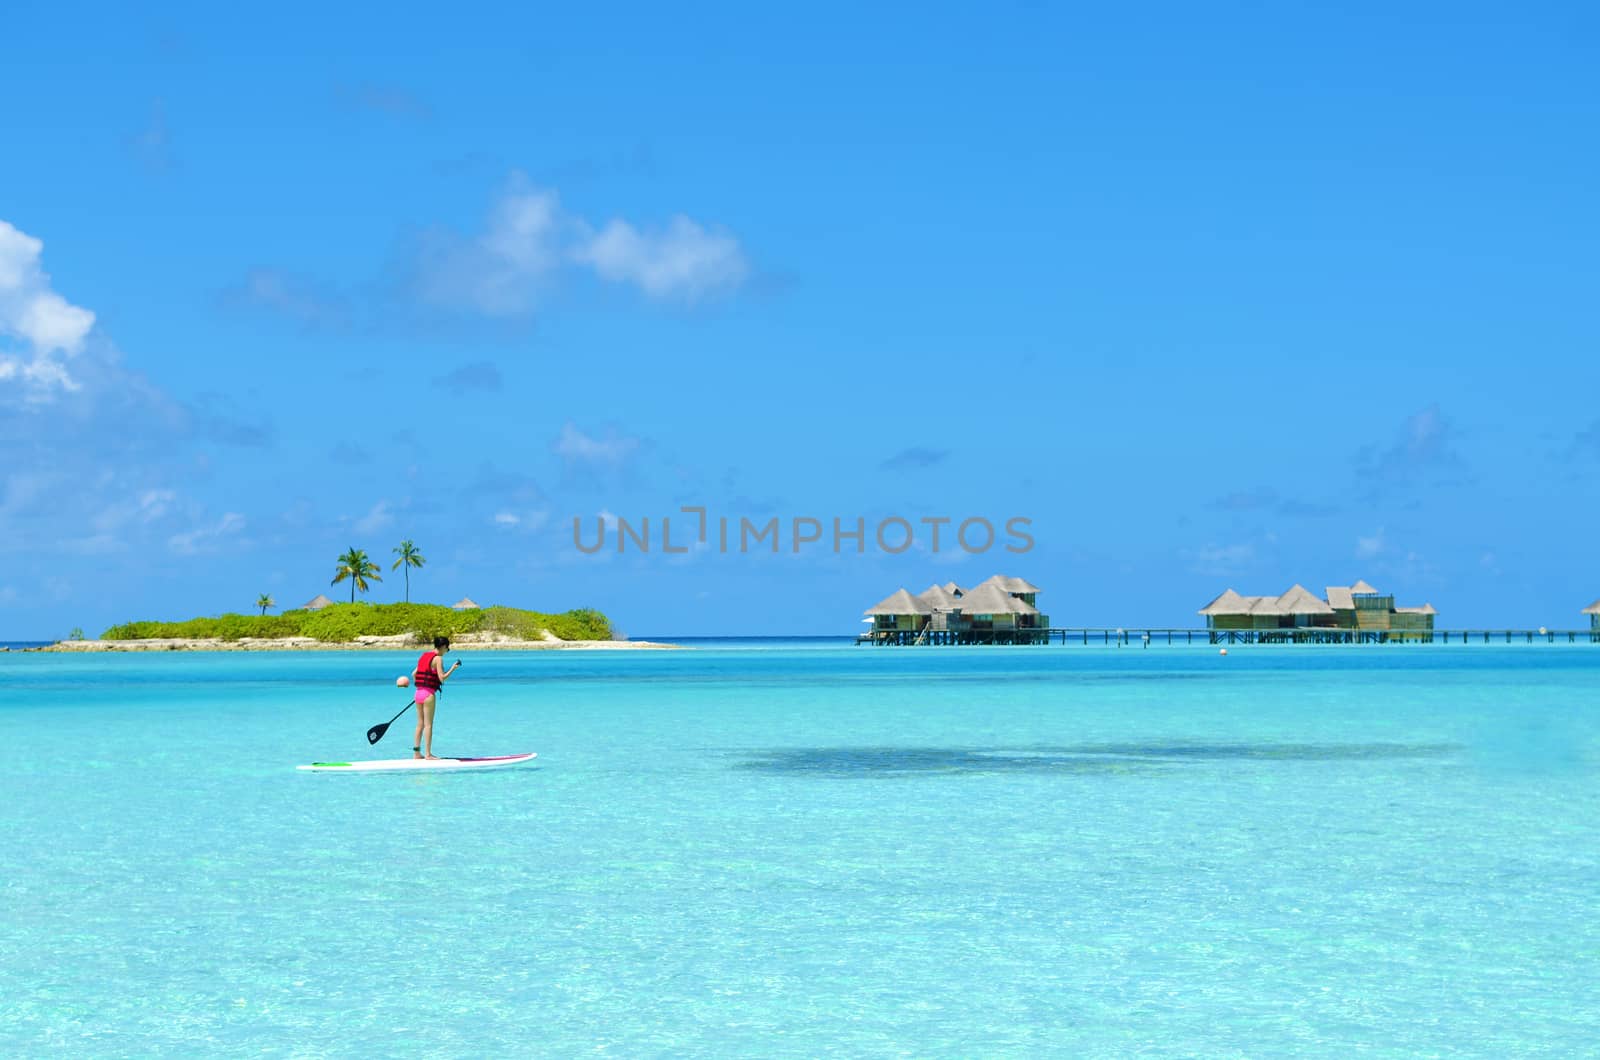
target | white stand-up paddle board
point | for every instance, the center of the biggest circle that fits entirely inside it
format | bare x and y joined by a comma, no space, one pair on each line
407,765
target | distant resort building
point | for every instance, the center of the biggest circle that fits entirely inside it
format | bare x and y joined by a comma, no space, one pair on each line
465,604
1358,607
316,603
1005,610
999,610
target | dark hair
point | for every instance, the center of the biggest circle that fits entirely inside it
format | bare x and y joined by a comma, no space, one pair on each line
441,643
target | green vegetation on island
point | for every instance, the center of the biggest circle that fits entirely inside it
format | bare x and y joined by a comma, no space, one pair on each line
346,622
343,623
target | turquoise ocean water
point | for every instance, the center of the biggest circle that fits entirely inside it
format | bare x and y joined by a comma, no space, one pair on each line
809,849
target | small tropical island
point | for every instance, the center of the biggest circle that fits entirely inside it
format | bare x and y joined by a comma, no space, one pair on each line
321,624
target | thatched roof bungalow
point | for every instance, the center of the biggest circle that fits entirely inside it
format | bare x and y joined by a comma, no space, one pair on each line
899,610
1000,602
1295,606
1229,603
1020,588
899,602
991,599
1298,601
316,603
991,606
1357,606
1593,611
466,603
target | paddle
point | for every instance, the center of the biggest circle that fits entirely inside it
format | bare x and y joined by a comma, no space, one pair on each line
375,733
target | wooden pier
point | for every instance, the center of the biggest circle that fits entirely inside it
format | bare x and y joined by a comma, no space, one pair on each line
1144,637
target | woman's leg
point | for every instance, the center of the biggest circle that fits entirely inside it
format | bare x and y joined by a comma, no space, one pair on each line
426,711
422,718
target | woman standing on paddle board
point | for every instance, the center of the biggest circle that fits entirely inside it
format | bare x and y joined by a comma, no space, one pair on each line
430,678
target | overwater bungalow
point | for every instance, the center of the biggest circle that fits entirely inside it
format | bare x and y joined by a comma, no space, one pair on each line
1000,609
990,606
898,611
1593,611
1294,607
1347,607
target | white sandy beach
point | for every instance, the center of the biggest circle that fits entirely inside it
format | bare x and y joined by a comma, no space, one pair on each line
398,642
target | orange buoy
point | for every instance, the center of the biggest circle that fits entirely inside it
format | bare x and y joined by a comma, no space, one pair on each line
402,681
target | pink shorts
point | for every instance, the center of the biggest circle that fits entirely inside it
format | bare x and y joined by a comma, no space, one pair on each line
422,695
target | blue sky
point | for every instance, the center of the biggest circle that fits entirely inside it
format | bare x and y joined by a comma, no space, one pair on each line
1219,295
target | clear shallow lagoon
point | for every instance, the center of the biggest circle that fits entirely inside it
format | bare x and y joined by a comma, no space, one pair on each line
803,850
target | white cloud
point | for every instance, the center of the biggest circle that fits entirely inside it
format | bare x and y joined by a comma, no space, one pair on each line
529,521
527,239
50,329
501,271
52,323
574,445
1370,547
684,261
205,538
19,256
153,503
147,507
379,517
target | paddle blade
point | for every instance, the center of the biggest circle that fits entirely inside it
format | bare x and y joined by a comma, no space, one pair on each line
375,733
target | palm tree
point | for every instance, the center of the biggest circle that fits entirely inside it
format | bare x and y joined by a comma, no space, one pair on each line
358,568
265,601
409,557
